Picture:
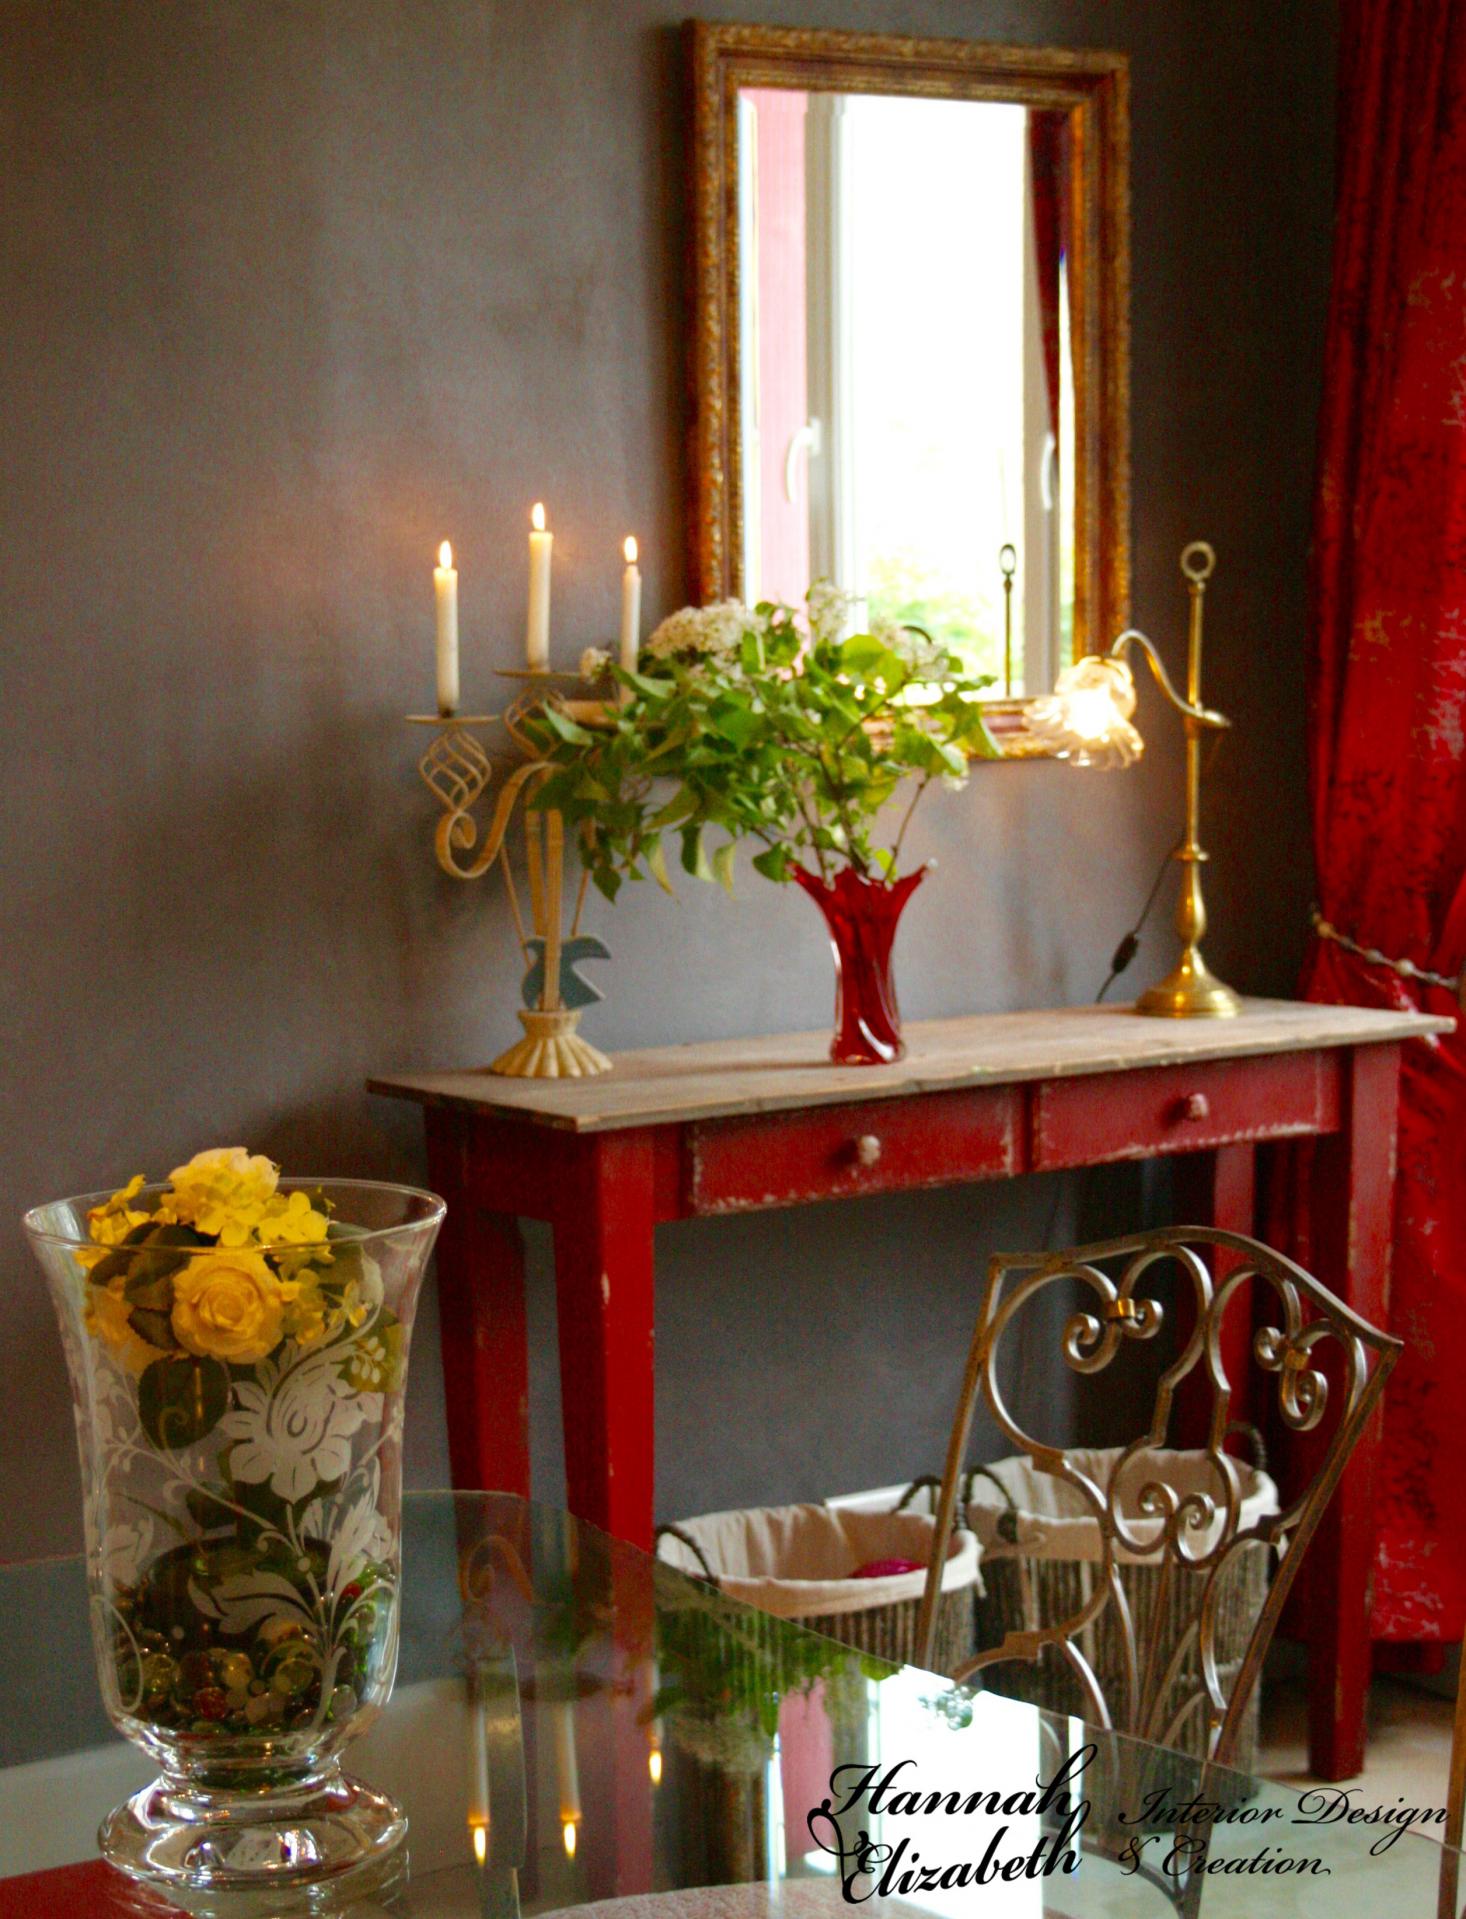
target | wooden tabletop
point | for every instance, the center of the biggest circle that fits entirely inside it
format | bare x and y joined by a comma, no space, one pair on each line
664,1084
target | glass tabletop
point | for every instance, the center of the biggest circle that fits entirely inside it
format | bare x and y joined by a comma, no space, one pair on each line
575,1722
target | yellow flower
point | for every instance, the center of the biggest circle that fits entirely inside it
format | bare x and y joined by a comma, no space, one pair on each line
291,1221
313,1314
107,1318
224,1192
308,1317
109,1225
229,1305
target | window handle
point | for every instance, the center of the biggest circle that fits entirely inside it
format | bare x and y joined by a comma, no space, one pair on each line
806,437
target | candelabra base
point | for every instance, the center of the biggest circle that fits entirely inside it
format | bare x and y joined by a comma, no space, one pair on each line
551,1049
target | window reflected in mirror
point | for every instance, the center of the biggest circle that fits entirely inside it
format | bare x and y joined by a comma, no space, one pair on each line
910,336
907,399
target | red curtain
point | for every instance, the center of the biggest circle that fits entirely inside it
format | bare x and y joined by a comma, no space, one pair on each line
1048,168
1387,719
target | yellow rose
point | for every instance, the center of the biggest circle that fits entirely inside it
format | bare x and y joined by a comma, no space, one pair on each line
224,1192
229,1305
108,1318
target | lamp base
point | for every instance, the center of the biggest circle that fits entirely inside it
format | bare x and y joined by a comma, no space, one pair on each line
551,1048
1191,991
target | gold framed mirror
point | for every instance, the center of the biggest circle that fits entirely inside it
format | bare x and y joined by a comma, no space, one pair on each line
910,348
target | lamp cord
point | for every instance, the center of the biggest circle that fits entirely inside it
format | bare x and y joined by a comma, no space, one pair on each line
1120,959
1125,952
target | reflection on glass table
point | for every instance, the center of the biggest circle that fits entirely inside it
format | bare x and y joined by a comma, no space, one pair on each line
574,1722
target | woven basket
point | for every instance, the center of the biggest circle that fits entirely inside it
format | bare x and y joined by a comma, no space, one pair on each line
741,1554
1023,1588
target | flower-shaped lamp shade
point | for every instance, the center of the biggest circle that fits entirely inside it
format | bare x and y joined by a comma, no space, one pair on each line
1087,716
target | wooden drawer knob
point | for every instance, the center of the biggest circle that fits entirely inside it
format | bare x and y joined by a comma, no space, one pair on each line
868,1149
1196,1106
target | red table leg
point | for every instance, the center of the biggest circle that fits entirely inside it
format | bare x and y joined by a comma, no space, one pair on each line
604,1230
1354,1178
1219,1189
613,1725
480,1266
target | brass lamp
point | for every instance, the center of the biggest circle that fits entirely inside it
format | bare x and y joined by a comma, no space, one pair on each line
1087,719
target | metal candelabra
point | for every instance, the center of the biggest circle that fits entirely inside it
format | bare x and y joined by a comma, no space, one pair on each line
460,773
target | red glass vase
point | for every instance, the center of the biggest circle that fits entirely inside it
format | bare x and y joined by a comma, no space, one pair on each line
862,916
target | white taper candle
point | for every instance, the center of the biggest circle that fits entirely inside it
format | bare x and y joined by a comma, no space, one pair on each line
445,594
537,632
630,608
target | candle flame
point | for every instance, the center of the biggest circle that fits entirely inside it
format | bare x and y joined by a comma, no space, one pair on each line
480,1837
569,1836
445,555
537,516
654,1765
630,549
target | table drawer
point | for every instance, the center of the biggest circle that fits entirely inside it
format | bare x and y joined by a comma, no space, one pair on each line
1181,1109
871,1146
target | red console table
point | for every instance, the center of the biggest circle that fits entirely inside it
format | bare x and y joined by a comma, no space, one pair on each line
726,1127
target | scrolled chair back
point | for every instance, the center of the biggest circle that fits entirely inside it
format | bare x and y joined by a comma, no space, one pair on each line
1185,1525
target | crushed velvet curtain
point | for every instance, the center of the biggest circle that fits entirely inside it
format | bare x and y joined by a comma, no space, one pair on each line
1387,719
1048,170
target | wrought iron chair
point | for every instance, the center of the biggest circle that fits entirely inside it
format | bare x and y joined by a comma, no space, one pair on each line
1197,1538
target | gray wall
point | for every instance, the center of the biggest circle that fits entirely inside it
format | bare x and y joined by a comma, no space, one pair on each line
290,290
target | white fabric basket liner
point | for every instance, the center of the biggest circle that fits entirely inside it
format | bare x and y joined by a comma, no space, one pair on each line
1055,1522
885,1499
796,1561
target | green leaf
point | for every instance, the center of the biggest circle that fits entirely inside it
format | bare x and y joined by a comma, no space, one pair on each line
117,1262
979,742
154,1263
180,1399
694,854
681,806
861,652
734,721
561,724
650,686
656,859
122,1258
150,1289
773,863
723,865
155,1325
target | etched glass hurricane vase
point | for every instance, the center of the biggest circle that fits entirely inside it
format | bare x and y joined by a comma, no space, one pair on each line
239,1417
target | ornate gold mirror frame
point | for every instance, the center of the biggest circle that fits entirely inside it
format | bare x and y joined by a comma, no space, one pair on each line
1094,88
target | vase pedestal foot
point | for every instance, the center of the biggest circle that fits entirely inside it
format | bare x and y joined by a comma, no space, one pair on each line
193,1841
551,1048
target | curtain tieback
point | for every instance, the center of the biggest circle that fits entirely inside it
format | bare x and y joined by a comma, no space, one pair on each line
1407,969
